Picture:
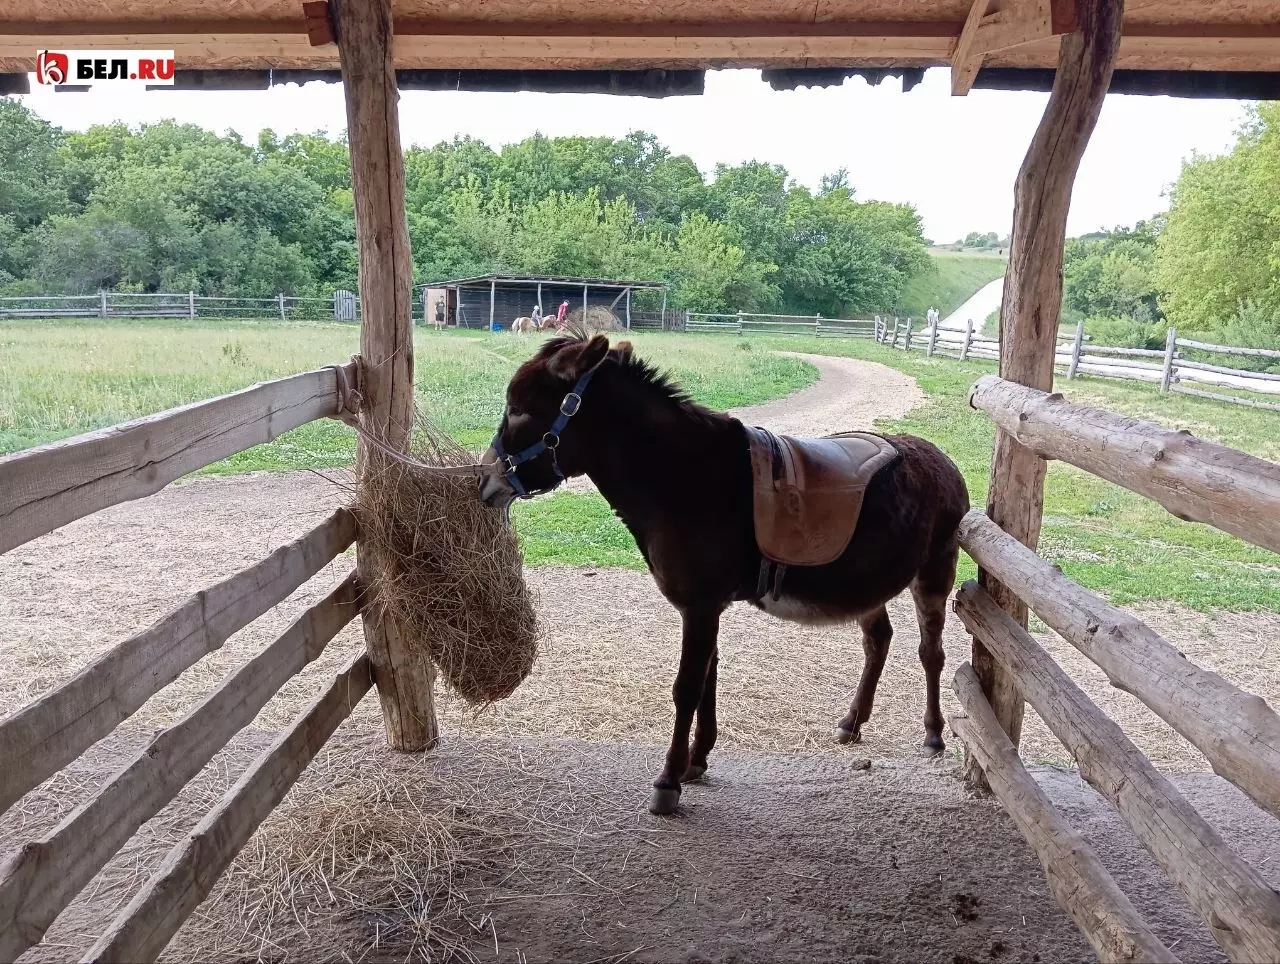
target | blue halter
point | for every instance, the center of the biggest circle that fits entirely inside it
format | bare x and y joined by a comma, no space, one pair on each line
550,441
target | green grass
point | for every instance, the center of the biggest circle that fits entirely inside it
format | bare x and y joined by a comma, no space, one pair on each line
952,278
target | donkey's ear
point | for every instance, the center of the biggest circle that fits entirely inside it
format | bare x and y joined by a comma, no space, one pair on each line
576,360
624,349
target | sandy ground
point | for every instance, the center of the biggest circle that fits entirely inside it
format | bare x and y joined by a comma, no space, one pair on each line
790,851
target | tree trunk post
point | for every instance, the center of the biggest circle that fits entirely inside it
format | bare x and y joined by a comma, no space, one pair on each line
906,340
102,309
584,307
740,328
280,299
191,305
493,300
1076,346
968,340
1170,350
1032,302
540,308
664,309
933,339
628,309
363,28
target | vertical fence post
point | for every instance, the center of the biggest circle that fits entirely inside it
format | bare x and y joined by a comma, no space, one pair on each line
493,298
893,339
740,328
628,309
968,337
1076,347
933,338
906,341
584,306
875,328
102,309
280,299
191,305
817,323
1170,349
664,309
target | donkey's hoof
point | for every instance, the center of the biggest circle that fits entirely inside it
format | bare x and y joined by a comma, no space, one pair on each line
848,736
933,746
664,801
694,772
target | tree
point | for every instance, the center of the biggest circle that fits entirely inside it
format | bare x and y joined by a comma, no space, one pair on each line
1112,273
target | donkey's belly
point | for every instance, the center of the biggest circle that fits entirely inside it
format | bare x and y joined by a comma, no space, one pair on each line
796,610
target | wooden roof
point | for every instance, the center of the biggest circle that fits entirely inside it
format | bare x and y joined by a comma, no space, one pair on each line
1159,35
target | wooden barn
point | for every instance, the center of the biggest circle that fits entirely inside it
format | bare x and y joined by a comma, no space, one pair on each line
1080,49
486,300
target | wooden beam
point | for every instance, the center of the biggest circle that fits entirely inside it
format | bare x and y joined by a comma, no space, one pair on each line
966,57
48,486
39,880
1238,733
1195,479
1241,909
190,871
1075,875
44,736
319,24
405,681
1032,299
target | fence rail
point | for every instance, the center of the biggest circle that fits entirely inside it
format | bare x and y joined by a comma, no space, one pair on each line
747,322
1166,367
180,304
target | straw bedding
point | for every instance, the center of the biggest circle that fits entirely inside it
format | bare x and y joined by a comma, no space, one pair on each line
446,568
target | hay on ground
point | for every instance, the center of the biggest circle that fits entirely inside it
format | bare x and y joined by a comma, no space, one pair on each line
597,319
447,568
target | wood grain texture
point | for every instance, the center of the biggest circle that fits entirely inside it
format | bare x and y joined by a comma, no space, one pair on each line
1079,882
1238,733
1241,909
405,681
1193,478
190,871
48,486
46,735
39,880
1033,298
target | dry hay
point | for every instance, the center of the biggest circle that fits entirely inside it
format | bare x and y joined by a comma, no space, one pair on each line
597,319
446,567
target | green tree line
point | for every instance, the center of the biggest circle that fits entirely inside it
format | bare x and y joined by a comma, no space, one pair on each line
1210,266
174,207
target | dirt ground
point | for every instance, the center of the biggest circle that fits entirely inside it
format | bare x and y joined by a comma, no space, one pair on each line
530,820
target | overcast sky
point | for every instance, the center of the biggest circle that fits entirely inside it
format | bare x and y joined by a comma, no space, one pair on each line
955,159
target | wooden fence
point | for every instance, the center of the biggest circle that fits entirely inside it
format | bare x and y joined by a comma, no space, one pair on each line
1238,733
1168,367
46,487
747,322
182,304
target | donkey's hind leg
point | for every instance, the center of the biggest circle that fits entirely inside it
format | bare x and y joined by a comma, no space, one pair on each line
877,632
704,734
930,590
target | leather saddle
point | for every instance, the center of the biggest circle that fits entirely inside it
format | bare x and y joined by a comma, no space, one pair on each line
808,493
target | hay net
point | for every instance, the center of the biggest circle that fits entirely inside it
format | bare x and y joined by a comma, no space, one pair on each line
445,568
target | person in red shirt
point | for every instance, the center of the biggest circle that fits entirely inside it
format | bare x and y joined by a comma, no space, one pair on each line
560,314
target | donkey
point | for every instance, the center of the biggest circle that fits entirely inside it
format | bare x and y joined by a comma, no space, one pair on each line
680,478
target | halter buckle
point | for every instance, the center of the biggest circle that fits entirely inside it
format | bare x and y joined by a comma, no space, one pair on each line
570,404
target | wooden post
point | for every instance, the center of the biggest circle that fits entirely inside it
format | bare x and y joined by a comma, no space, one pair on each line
1170,349
740,328
1032,302
628,309
493,298
1075,349
191,305
280,299
584,307
363,29
102,310
540,308
933,338
968,339
664,309
906,341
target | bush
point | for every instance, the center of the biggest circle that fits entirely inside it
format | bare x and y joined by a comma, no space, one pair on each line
1121,332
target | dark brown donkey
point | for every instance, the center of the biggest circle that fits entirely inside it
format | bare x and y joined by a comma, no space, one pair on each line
680,478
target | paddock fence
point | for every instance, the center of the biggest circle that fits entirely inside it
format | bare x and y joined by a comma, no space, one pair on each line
1171,367
46,487
184,304
1238,733
744,322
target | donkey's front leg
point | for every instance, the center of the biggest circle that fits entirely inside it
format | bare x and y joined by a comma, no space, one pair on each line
697,645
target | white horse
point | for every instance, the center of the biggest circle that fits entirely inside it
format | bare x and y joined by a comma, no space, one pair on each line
523,325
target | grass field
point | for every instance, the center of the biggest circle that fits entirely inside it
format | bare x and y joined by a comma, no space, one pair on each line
60,379
953,278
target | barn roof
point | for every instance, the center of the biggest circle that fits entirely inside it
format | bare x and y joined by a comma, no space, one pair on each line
530,279
1184,43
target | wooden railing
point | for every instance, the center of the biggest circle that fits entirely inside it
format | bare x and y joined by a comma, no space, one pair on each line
46,487
1238,733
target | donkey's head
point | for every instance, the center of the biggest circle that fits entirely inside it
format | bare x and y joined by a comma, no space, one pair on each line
535,448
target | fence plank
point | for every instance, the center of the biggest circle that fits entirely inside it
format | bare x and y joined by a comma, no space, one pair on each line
1233,399
48,486
38,881
1228,349
191,869
1238,733
1241,909
1193,478
1200,366
44,736
1077,878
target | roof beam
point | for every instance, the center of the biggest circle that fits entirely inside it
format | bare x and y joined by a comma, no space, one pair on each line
1013,24
966,57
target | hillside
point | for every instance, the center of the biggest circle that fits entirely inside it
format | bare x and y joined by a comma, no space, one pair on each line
952,278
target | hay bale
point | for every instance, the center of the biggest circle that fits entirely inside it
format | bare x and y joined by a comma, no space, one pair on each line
446,568
597,319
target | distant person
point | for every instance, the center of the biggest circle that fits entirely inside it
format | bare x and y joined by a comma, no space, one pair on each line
439,314
536,315
931,316
561,313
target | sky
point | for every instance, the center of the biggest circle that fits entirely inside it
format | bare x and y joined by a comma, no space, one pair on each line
955,159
